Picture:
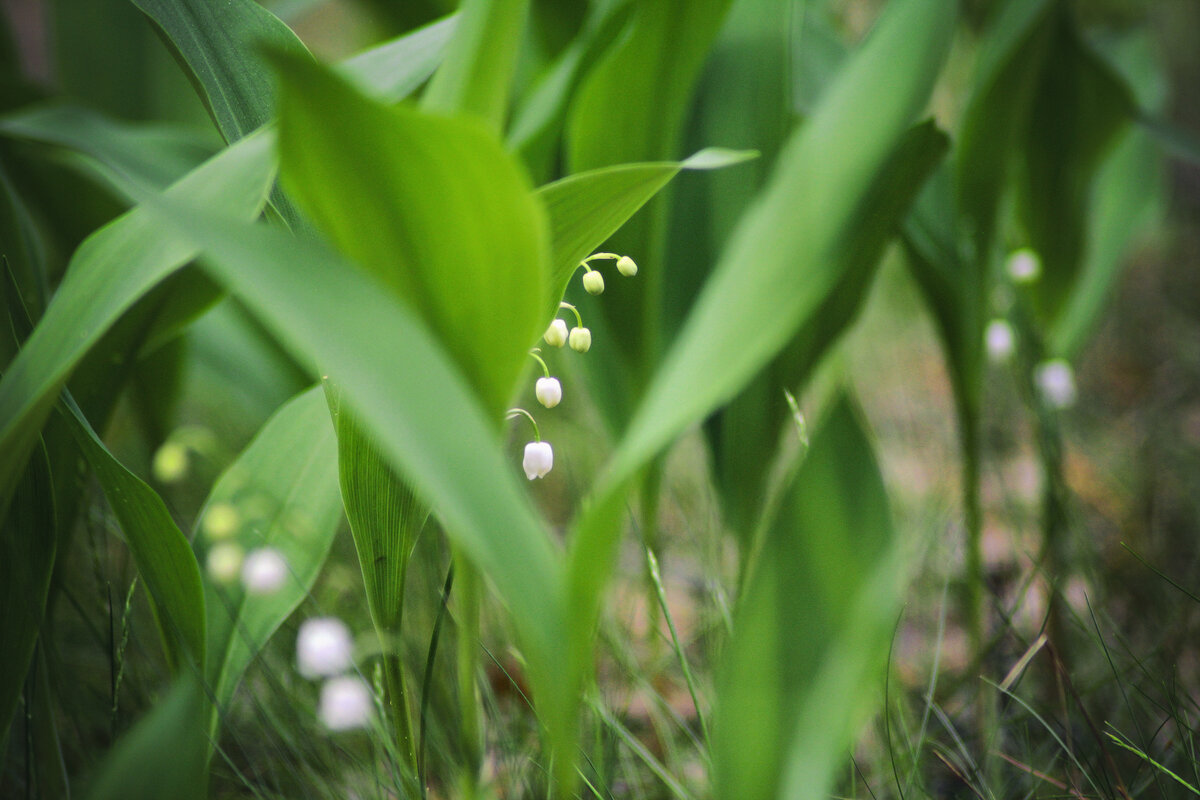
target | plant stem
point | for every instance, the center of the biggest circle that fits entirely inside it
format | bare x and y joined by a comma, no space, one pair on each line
397,700
467,650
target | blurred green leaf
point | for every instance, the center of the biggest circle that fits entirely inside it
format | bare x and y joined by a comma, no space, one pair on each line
163,556
1013,51
220,46
811,630
749,428
393,70
433,207
155,154
283,489
110,271
475,76
1078,108
163,755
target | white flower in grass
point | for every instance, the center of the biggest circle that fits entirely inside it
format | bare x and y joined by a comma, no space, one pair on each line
580,340
221,521
593,282
556,334
539,459
264,571
626,266
1024,266
1000,340
224,561
1056,382
324,647
548,391
345,703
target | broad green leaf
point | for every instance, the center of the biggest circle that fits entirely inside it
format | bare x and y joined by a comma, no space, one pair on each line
110,271
283,490
433,207
220,44
748,430
421,411
163,755
156,155
161,552
393,70
587,208
1013,52
781,262
1078,108
812,627
476,75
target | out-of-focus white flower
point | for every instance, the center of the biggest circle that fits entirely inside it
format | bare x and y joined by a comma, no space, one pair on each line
593,282
539,459
1000,340
345,703
626,266
170,463
1024,266
324,647
224,561
580,340
1056,382
556,334
548,392
221,520
264,571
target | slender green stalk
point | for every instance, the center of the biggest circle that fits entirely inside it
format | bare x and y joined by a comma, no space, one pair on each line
469,605
656,578
397,701
651,489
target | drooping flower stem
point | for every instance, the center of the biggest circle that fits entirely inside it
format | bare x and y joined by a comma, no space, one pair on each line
516,412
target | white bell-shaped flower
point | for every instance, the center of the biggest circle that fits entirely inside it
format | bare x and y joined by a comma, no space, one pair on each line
264,571
626,266
1055,381
539,459
324,647
556,334
548,392
593,282
580,340
346,703
1000,340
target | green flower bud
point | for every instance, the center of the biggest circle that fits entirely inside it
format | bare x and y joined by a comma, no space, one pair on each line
580,340
593,281
626,266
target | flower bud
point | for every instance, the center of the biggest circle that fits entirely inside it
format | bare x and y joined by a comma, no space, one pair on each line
221,521
539,459
345,703
556,334
548,391
626,266
580,340
593,281
223,562
170,463
264,571
324,647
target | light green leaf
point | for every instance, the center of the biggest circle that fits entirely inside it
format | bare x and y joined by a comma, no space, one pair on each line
812,628
394,70
475,77
283,489
587,208
433,207
108,273
220,44
163,556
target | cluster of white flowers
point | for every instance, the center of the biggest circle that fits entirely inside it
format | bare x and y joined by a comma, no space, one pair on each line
325,650
539,456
